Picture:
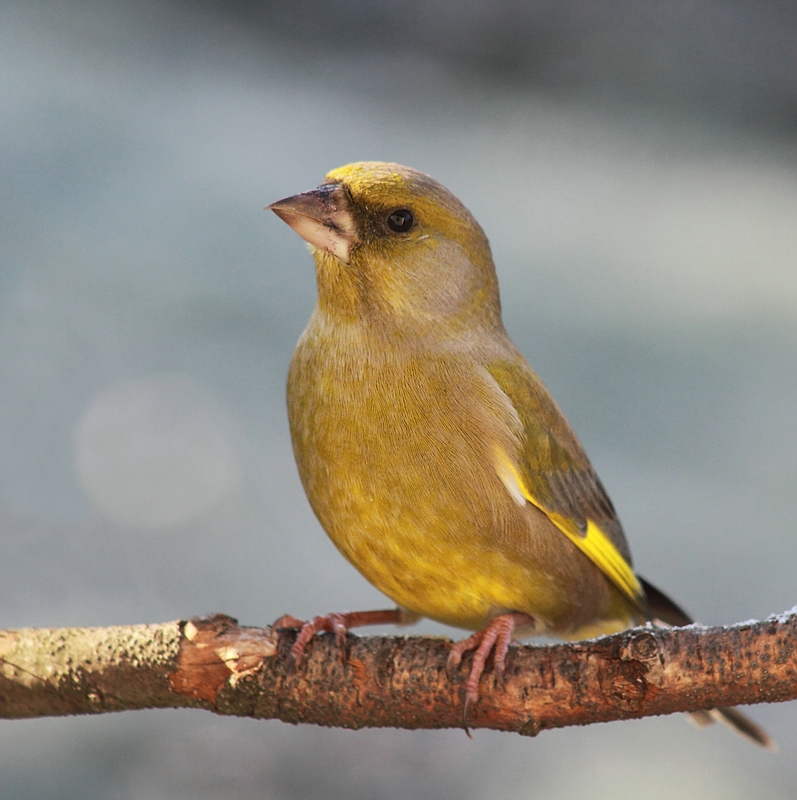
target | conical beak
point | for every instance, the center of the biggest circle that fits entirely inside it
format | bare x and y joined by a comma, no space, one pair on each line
321,217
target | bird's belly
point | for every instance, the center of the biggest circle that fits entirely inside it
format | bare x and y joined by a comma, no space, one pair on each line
459,583
407,491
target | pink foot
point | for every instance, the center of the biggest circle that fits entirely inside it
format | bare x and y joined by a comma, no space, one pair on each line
495,637
337,624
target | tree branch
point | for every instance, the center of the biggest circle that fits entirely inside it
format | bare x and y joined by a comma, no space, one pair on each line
215,664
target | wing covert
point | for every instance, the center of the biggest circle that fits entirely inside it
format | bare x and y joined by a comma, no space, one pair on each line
555,475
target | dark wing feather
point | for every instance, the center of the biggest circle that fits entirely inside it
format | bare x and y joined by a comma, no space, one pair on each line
554,462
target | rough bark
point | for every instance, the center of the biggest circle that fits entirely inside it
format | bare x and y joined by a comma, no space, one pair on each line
215,664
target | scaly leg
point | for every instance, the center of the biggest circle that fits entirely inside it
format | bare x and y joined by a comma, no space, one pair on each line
495,637
337,624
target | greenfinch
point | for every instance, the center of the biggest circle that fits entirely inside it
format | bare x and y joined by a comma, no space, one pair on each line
431,453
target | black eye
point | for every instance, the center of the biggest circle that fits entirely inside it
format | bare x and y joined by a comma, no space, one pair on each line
400,220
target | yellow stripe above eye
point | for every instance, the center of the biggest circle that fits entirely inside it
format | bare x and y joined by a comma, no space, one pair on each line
594,543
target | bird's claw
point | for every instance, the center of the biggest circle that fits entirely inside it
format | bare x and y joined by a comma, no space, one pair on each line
495,638
330,623
338,624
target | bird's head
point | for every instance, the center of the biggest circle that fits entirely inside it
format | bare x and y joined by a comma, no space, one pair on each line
395,248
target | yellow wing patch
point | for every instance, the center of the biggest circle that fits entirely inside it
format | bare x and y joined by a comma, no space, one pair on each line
598,547
594,543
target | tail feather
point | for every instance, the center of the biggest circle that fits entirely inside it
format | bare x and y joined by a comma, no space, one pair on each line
663,611
744,726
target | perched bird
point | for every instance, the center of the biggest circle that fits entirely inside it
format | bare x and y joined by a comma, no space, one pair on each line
431,453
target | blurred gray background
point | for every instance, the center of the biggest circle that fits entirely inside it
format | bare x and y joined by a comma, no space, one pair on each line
635,167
